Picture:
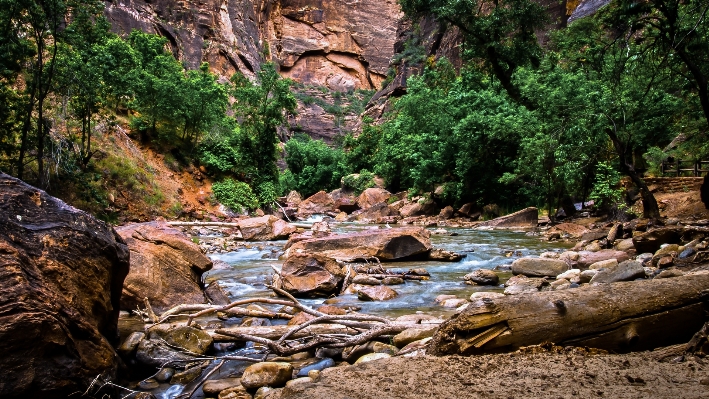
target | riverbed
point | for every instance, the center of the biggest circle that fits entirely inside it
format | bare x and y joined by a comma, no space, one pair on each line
251,268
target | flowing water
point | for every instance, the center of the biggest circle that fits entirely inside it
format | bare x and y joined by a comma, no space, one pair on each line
250,269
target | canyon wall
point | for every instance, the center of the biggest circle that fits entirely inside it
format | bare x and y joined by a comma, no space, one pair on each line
339,52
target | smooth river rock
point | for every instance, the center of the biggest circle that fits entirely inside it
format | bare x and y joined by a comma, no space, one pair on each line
539,267
61,275
624,271
376,293
272,374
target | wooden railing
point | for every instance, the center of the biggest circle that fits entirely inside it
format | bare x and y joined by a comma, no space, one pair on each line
678,167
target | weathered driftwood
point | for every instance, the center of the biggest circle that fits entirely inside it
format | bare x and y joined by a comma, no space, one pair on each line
403,276
626,316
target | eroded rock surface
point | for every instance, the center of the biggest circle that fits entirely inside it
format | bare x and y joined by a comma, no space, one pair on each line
61,273
166,267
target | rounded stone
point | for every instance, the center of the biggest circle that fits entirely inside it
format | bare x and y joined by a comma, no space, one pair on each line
272,374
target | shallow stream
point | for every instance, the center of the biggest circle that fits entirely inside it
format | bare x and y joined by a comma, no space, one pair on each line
252,268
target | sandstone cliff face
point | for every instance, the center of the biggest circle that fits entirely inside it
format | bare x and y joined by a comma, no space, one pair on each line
225,33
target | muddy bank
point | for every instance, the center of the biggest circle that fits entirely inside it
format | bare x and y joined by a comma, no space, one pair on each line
565,374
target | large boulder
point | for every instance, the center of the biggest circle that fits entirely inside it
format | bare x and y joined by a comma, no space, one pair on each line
318,203
372,196
539,267
373,214
384,244
265,228
345,200
165,267
310,274
61,274
527,217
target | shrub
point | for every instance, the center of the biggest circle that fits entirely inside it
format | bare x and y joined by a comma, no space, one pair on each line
359,182
235,195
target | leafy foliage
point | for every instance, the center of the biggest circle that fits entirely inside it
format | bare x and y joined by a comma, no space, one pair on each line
313,166
235,195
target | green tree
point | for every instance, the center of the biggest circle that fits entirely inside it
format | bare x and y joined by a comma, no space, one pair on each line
314,165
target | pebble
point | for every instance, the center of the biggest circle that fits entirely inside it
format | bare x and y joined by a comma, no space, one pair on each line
165,374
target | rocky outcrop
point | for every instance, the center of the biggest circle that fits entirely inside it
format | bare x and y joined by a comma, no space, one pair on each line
166,267
384,244
527,217
318,203
310,274
61,274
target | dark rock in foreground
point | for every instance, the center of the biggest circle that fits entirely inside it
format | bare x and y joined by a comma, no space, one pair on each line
61,275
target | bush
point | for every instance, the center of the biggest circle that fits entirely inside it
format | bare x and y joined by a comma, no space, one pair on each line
359,182
235,195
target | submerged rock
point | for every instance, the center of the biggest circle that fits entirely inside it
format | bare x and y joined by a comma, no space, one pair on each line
61,275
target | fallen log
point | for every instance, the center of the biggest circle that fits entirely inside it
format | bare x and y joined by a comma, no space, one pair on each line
403,276
232,334
621,317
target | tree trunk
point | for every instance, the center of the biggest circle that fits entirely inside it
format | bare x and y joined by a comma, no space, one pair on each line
650,208
622,317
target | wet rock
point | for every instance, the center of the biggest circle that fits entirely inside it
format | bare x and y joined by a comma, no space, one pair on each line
560,284
216,294
586,276
527,217
165,266
318,203
272,374
300,318
376,293
365,280
318,366
298,382
442,255
446,213
374,214
385,244
669,273
306,274
482,277
392,281
331,310
61,273
130,344
454,302
214,387
687,253
372,196
539,267
187,338
586,259
482,295
165,374
265,228
187,376
568,230
345,200
148,384
237,392
521,283
604,264
652,240
371,357
625,245
625,271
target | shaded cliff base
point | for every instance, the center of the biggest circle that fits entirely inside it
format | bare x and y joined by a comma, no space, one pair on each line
532,373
